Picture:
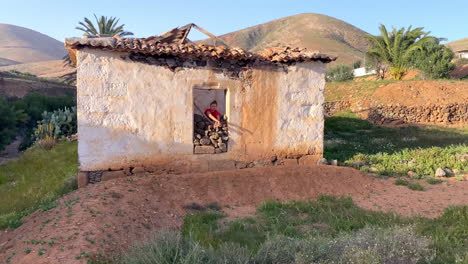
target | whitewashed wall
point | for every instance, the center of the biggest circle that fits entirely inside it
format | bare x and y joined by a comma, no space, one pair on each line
132,113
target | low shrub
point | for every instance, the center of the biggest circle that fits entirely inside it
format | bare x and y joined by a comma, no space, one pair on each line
46,143
368,245
401,181
339,73
171,247
432,180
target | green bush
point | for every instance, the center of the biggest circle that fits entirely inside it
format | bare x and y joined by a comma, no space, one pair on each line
339,73
434,60
8,123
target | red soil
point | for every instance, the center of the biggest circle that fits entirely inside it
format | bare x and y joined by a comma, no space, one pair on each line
110,216
416,93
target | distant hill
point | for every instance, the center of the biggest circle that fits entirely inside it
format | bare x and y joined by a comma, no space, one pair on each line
24,45
315,32
5,62
46,69
461,44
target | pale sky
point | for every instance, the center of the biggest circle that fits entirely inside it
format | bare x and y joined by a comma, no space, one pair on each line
58,18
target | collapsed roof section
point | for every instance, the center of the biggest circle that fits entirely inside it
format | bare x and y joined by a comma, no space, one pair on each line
176,43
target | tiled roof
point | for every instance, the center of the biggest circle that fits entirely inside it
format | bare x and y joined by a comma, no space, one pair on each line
287,55
154,47
175,43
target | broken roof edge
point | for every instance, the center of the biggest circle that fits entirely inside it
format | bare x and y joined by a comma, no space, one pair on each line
153,46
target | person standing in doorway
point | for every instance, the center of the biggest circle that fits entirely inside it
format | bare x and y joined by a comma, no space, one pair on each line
213,115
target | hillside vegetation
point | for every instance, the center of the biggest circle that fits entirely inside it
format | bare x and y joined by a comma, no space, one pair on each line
312,31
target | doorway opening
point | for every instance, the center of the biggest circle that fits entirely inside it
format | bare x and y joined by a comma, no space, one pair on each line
210,128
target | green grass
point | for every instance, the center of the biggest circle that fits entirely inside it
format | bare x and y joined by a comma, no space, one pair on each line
416,186
401,182
432,180
281,232
394,151
35,180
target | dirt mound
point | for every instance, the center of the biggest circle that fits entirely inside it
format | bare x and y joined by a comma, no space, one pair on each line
414,93
109,216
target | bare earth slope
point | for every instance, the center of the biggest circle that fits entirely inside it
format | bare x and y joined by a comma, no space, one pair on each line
25,45
6,62
110,216
461,44
415,93
409,93
46,69
311,31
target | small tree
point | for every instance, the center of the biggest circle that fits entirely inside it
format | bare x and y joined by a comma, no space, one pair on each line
375,63
339,73
395,47
434,59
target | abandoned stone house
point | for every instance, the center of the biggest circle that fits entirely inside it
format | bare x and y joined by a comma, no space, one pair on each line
138,98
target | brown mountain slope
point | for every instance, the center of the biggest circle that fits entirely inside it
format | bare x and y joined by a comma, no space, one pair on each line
461,44
46,69
311,31
6,62
25,45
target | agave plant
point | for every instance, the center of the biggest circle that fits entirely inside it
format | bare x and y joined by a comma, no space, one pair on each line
104,26
396,47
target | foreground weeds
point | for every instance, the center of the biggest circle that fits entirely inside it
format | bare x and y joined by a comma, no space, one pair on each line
35,180
329,230
394,151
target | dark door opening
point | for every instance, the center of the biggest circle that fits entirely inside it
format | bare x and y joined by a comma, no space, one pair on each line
210,129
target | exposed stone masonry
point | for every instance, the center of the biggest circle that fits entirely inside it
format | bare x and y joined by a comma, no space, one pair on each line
382,114
207,138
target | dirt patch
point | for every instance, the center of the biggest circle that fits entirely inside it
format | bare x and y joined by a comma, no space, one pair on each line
110,216
415,93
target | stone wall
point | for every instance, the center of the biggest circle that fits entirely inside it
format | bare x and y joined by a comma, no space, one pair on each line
441,114
382,114
138,111
331,108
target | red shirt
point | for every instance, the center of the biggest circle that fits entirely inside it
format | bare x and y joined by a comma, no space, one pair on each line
214,113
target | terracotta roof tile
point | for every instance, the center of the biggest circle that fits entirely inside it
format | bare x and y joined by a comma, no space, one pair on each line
174,43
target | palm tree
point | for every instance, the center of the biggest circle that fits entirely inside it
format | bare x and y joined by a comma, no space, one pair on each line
104,26
396,47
